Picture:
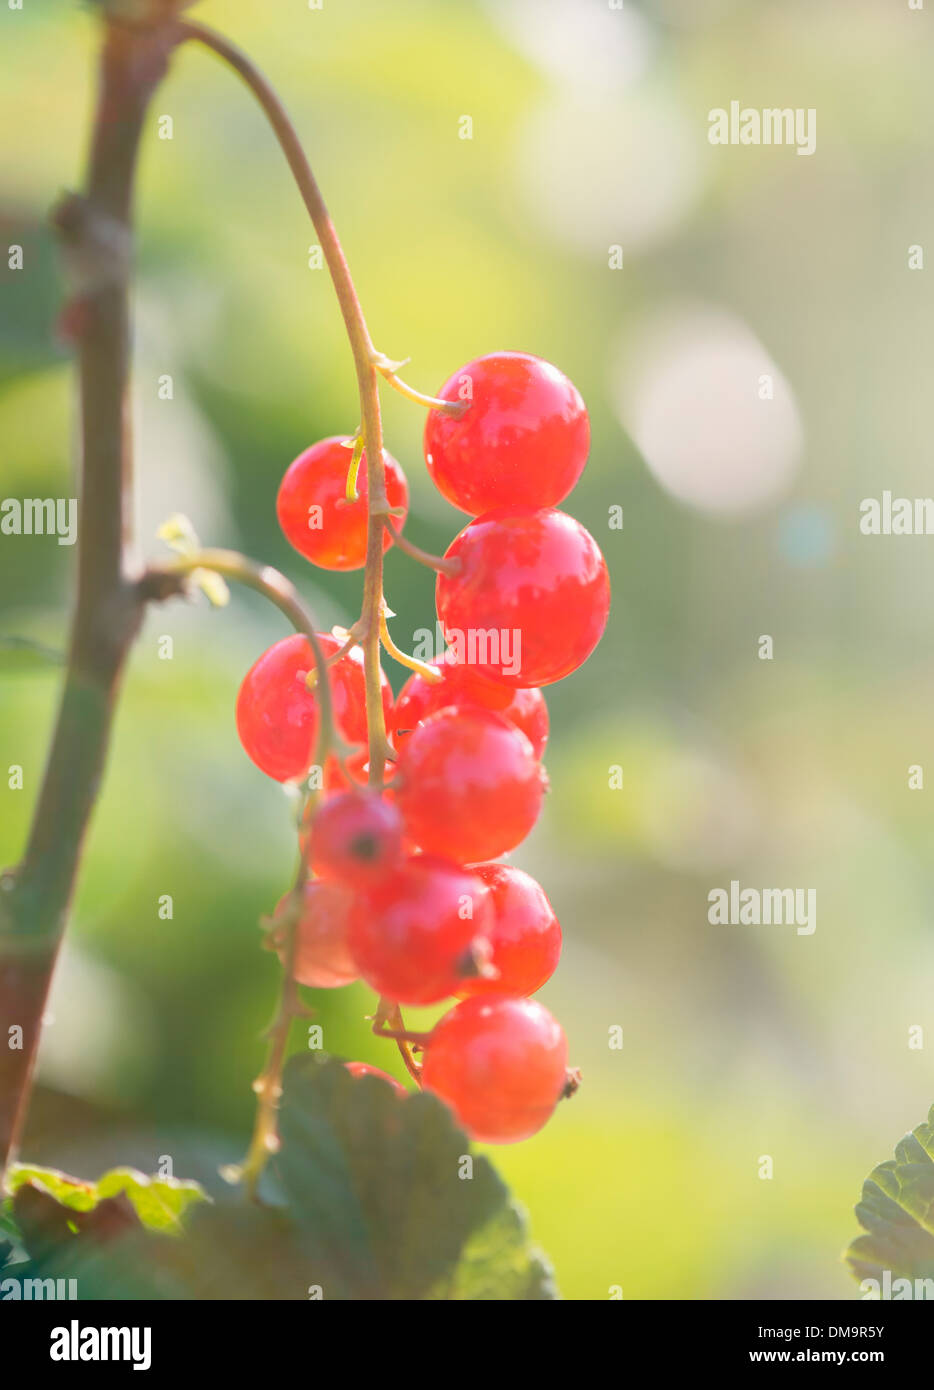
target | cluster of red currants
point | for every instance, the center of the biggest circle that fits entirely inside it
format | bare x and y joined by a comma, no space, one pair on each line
405,889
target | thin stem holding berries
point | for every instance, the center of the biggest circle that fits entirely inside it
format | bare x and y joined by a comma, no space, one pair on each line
280,591
363,354
389,371
388,1023
415,552
429,673
269,582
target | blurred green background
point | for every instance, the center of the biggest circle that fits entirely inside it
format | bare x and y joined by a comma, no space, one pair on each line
741,519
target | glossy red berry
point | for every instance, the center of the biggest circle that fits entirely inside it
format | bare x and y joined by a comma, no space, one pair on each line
522,439
468,785
525,937
528,711
461,685
277,713
364,1069
500,1064
322,956
420,930
531,596
355,836
313,510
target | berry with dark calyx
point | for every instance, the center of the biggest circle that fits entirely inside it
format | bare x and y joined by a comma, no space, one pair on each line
364,1069
500,1064
322,957
420,930
468,784
525,936
355,836
532,578
315,514
522,439
278,712
462,685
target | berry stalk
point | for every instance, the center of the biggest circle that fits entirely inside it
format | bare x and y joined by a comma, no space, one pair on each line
269,582
365,358
263,579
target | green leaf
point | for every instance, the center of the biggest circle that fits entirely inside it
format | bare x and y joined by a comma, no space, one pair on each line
68,1192
8,1227
389,1196
498,1264
159,1203
227,1253
897,1213
376,1197
11,1237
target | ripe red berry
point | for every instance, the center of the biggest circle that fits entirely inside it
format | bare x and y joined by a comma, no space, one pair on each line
531,597
355,836
419,931
525,936
468,785
313,510
277,713
461,685
364,1069
322,956
528,711
500,1064
523,438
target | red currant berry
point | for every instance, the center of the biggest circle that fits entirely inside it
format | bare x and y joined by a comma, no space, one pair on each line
277,713
420,930
460,685
523,438
531,595
322,955
500,1064
528,711
355,836
525,937
364,1069
313,510
468,785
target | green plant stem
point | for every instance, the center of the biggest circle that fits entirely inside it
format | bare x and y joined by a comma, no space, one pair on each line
424,557
159,581
268,1085
96,233
412,663
390,1014
273,585
364,355
388,370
